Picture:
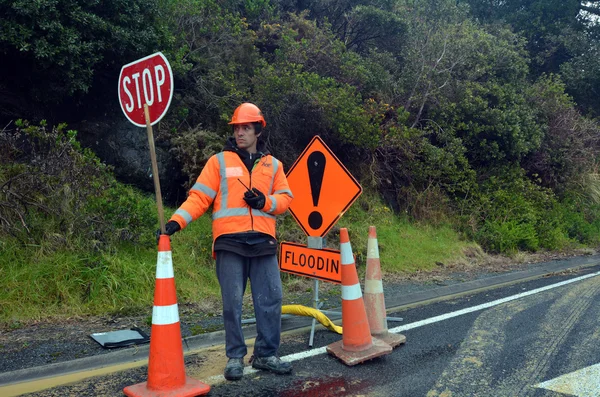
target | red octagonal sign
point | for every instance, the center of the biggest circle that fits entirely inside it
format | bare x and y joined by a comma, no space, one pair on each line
146,81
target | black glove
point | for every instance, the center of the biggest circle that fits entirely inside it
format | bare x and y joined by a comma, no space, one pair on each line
255,199
170,228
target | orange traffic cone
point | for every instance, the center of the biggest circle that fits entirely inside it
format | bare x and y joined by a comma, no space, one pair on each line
166,372
356,345
374,299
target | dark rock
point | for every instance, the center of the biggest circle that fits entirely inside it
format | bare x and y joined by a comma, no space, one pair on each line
125,147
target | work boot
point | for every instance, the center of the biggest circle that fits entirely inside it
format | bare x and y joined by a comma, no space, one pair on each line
271,363
234,369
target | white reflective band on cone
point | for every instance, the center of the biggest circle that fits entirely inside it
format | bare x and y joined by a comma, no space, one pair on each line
346,254
351,292
165,315
374,286
164,265
372,248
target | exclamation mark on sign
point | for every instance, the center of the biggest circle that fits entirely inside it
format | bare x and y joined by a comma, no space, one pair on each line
316,169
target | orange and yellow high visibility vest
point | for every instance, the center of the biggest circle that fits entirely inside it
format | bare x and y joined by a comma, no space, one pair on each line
218,185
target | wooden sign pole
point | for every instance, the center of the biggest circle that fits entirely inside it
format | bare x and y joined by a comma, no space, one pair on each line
159,206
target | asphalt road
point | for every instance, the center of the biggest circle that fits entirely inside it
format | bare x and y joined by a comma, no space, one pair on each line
507,349
518,339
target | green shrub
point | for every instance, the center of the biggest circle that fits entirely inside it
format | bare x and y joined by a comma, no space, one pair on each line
513,213
54,192
519,215
551,230
508,237
127,215
581,220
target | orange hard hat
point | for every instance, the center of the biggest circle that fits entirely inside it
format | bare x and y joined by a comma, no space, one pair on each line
248,113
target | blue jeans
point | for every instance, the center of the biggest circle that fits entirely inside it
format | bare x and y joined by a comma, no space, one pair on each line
233,271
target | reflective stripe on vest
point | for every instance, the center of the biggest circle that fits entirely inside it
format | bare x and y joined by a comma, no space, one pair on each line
256,212
185,215
224,188
273,205
275,167
204,189
225,211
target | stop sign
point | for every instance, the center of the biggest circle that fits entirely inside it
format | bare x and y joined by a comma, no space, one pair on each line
148,80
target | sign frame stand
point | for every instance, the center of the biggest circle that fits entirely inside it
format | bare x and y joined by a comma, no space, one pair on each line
316,243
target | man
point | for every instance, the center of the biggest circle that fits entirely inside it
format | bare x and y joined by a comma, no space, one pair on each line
247,188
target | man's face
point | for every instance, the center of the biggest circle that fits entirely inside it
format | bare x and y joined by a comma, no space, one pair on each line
245,137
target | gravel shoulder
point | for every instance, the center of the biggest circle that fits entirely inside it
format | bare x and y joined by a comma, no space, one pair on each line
54,341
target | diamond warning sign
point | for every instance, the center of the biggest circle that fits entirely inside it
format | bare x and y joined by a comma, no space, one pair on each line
323,189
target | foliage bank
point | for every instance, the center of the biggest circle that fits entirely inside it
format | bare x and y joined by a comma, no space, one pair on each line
473,114
55,194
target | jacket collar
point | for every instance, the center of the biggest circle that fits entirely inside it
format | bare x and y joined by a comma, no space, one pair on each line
261,150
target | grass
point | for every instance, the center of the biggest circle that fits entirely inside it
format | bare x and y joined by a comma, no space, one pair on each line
40,283
404,247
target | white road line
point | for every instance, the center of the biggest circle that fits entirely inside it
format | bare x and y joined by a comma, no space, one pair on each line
488,305
323,350
581,383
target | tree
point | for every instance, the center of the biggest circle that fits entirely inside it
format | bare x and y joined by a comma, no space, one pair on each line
213,57
562,37
53,50
581,75
568,151
359,24
552,27
590,7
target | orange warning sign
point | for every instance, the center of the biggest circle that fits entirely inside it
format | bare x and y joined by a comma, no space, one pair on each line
323,189
298,259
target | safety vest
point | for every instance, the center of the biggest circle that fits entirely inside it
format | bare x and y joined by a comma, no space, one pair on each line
220,184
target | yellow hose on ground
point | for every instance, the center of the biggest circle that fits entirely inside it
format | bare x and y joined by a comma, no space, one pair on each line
312,312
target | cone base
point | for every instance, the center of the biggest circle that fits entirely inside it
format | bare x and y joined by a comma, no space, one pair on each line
191,388
394,340
349,358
